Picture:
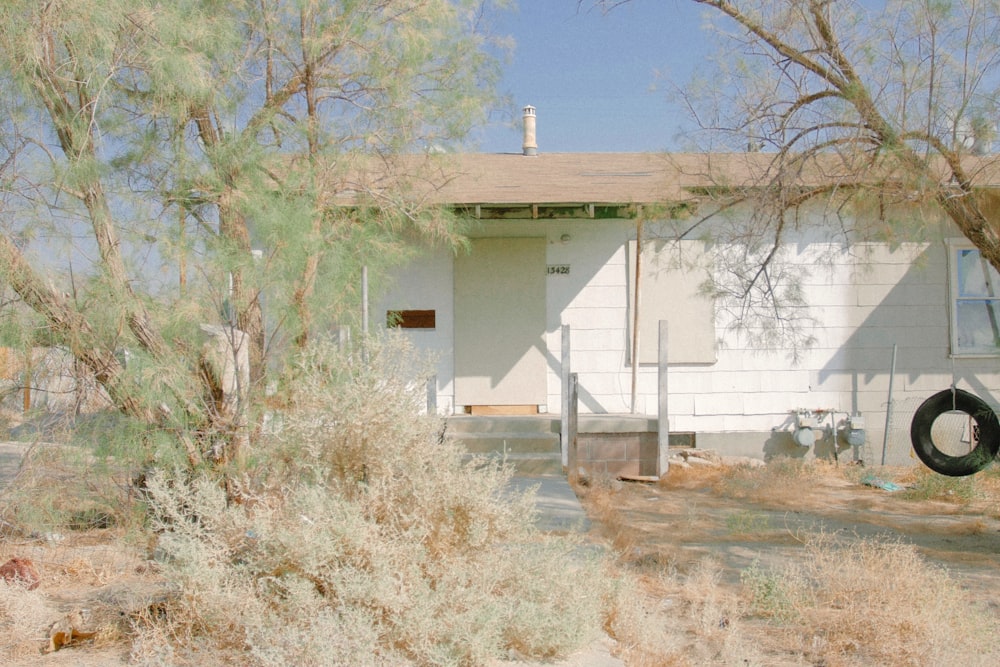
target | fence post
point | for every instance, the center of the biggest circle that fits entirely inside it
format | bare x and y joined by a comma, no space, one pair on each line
888,406
662,418
573,471
564,408
343,338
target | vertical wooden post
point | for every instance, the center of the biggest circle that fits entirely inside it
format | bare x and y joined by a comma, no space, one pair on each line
662,418
565,398
635,309
573,470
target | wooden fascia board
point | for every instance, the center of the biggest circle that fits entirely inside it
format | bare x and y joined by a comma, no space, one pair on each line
557,210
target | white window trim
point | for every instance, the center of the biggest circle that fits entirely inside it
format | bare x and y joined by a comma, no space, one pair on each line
953,246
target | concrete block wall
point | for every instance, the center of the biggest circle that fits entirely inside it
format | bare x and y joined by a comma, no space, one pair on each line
618,454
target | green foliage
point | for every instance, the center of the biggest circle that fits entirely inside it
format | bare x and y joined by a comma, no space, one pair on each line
929,485
147,149
362,537
61,488
772,594
747,522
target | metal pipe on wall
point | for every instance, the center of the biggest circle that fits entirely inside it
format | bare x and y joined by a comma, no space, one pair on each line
888,405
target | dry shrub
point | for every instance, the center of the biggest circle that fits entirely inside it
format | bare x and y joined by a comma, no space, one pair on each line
364,537
864,602
23,615
61,487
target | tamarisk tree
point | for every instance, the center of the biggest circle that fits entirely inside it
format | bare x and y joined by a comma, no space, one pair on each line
884,108
169,165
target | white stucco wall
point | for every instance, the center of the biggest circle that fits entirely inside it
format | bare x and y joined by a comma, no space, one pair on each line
426,283
864,300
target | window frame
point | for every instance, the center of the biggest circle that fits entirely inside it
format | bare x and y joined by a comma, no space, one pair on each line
956,246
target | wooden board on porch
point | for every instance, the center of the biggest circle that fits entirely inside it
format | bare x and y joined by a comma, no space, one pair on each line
482,410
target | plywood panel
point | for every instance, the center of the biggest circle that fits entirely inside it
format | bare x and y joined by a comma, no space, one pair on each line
670,282
500,323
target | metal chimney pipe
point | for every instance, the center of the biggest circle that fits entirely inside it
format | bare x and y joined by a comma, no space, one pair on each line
530,146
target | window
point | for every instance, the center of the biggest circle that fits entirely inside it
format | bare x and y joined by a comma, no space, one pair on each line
975,314
410,319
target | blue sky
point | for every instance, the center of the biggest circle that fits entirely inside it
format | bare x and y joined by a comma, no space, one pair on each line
599,81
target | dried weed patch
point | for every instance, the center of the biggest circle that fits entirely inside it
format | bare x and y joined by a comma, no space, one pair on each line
862,602
363,537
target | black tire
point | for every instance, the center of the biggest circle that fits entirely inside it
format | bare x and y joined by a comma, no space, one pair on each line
946,401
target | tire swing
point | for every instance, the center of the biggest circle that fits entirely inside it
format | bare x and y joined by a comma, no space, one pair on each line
987,442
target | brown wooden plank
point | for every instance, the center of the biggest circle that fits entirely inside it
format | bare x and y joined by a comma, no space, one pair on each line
483,410
411,319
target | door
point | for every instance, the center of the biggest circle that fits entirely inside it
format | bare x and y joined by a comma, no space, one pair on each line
500,325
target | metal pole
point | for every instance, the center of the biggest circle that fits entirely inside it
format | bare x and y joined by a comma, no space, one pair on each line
364,301
564,408
364,314
888,407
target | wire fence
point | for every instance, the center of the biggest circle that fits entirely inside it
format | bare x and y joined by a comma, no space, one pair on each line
953,433
898,451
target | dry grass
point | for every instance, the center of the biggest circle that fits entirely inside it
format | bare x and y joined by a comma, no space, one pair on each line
23,615
778,483
870,601
94,577
812,597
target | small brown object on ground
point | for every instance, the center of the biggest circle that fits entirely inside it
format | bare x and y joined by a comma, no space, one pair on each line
67,630
20,570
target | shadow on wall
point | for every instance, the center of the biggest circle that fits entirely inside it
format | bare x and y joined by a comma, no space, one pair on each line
913,315
828,446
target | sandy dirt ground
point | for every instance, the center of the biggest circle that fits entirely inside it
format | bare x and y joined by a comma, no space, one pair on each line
763,520
686,519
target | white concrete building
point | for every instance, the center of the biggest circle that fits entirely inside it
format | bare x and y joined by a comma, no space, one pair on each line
555,245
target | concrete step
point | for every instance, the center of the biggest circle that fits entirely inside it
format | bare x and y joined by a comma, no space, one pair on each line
514,443
588,423
502,424
527,458
531,444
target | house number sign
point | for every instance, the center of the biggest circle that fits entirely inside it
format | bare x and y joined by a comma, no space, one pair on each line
558,269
